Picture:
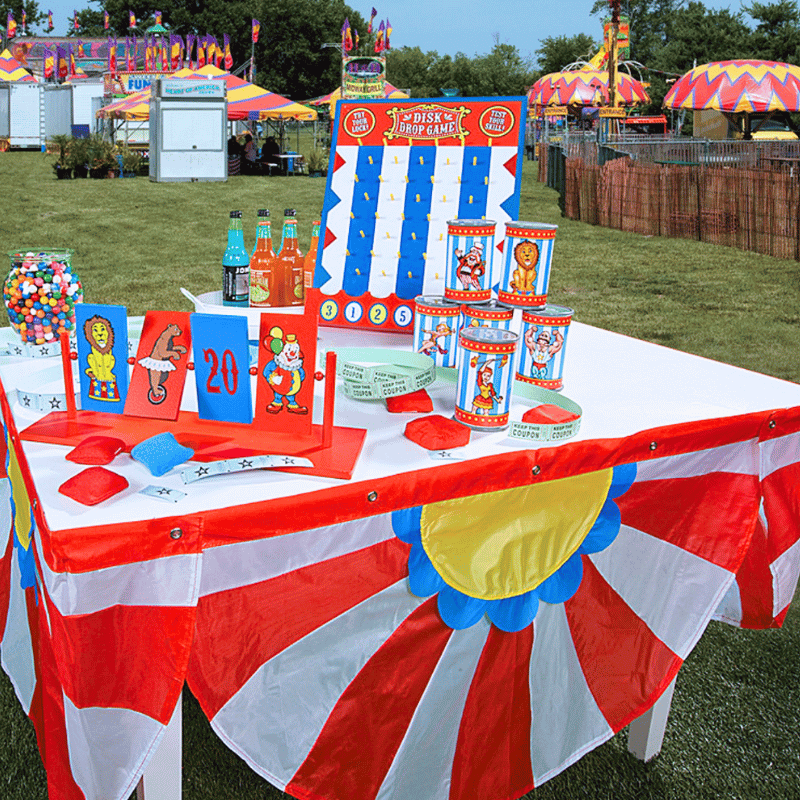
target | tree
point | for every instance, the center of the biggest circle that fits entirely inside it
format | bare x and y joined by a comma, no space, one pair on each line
777,33
33,15
555,52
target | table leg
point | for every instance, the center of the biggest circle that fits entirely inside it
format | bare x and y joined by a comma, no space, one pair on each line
646,733
162,778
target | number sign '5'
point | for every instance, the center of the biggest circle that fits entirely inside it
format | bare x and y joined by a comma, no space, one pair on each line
222,367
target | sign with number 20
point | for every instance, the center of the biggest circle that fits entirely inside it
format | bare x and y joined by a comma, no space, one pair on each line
222,368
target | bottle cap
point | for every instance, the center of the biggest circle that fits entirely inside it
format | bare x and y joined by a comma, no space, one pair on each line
263,212
235,214
290,212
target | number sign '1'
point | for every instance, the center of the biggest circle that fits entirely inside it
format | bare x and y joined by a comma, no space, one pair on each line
222,368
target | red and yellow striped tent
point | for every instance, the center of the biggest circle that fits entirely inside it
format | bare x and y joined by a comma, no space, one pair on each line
584,87
336,94
12,71
737,87
245,100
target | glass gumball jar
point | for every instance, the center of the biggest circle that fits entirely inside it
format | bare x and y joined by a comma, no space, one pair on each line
40,293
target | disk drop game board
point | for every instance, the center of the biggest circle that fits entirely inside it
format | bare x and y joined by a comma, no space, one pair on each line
399,170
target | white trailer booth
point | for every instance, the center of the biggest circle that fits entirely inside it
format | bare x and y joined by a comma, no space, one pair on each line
188,120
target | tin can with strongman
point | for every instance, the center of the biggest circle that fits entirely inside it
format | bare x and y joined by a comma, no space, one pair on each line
544,339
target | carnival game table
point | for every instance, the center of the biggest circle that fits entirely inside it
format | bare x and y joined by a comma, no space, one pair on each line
285,601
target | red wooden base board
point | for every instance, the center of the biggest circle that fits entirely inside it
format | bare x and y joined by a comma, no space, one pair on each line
210,440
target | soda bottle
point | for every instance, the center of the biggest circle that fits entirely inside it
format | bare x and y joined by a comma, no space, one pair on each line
311,258
289,264
263,291
235,265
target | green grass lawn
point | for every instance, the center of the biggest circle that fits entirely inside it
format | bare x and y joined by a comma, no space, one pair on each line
733,730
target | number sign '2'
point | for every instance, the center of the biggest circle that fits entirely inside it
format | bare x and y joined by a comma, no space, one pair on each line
222,367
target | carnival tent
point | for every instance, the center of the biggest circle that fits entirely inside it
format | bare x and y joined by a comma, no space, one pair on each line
584,87
12,71
733,87
336,94
246,101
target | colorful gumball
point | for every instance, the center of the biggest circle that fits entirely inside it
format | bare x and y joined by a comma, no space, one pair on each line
39,294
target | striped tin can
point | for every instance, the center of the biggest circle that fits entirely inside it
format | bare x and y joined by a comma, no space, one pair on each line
544,339
436,325
527,256
485,376
470,254
487,315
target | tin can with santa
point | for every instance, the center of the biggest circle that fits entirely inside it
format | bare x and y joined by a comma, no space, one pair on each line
527,256
470,255
436,325
544,340
485,376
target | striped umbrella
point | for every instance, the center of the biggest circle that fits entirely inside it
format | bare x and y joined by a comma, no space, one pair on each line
584,87
738,87
245,100
12,71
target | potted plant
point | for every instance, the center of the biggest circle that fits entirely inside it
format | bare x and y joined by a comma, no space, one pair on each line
100,157
60,143
317,162
131,163
78,156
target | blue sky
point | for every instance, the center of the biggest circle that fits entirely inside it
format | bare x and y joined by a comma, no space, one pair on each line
451,26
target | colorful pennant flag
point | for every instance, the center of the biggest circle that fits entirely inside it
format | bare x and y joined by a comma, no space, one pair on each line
49,63
388,32
256,29
24,21
63,63
81,51
131,19
379,43
49,21
106,20
175,51
227,48
75,24
201,52
348,36
112,55
72,66
158,17
130,53
189,46
11,25
371,17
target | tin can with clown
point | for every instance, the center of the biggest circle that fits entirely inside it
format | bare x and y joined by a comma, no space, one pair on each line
487,315
485,377
436,325
527,256
544,340
470,252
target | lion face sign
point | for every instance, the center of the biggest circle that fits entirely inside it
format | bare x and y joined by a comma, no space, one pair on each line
99,334
526,254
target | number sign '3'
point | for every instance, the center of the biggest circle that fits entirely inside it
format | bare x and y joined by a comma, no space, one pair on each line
222,367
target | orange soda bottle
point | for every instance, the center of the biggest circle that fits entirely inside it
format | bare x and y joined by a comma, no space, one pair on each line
289,264
263,291
311,258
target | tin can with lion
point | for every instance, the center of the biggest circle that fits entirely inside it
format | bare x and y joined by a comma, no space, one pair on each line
485,377
470,254
527,256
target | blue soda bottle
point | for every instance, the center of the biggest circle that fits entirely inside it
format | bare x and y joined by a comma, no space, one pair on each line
235,265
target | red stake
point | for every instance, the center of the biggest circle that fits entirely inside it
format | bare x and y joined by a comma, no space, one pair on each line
69,386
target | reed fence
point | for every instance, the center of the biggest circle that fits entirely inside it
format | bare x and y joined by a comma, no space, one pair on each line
749,208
